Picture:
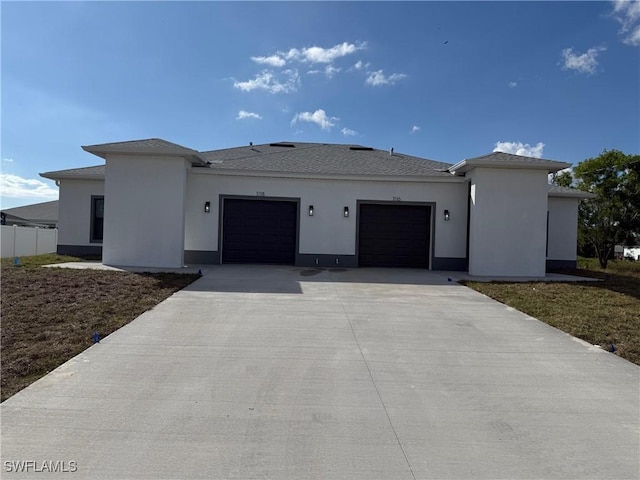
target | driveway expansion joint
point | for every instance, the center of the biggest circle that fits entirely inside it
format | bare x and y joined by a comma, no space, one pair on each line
386,412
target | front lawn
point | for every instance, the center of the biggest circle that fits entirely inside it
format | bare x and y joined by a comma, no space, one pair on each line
49,315
605,313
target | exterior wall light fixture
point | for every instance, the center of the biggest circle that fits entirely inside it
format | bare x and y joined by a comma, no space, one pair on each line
311,210
446,215
346,212
207,207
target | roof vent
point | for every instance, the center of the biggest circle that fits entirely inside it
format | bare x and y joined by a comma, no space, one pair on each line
368,149
391,151
288,145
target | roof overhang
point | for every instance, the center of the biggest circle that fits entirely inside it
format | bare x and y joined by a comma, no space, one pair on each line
577,194
103,151
466,165
62,176
84,173
327,176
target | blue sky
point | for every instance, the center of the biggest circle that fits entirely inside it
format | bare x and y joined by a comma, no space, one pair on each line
439,80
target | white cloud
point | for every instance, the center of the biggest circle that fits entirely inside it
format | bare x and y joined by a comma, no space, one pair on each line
325,55
18,187
347,132
582,63
319,117
267,80
7,160
360,65
512,84
628,14
519,148
330,71
378,78
272,82
243,114
292,54
415,129
313,54
273,60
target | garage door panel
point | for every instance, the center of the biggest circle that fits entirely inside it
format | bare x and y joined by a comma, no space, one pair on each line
259,231
394,235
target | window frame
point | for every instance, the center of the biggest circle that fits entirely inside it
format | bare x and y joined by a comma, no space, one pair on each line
92,237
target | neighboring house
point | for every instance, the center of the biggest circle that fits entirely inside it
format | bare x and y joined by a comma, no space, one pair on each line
632,252
158,204
36,215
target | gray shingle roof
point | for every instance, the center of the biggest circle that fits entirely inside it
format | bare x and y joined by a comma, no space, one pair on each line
510,157
89,173
508,160
142,145
558,191
320,158
37,212
145,146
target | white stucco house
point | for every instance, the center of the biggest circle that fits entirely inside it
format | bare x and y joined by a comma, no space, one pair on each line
154,203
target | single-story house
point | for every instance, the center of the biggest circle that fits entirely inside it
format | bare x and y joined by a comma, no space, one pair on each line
154,203
44,215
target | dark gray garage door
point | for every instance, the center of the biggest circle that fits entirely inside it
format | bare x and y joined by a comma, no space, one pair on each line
259,231
393,236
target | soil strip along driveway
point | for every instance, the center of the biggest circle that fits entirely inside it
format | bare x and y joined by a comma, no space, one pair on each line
281,372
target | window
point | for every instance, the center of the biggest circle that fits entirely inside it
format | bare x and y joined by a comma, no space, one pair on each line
97,218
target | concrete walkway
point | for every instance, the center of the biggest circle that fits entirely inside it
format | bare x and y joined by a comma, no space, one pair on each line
286,373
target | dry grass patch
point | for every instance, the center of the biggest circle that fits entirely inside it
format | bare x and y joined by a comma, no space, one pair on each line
602,313
49,315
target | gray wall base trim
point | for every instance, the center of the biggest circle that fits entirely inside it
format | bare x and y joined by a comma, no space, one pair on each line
80,250
450,263
202,257
560,264
326,260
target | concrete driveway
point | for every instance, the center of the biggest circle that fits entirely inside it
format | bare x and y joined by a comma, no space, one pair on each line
286,373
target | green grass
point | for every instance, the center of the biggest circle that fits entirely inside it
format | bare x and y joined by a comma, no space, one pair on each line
36,260
602,313
49,314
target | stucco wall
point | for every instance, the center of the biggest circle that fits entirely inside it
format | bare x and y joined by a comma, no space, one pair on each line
74,211
563,228
144,211
508,222
327,232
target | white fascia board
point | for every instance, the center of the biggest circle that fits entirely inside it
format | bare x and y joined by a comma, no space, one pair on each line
72,176
465,166
326,176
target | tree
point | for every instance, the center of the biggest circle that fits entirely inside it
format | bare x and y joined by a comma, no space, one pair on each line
562,179
613,216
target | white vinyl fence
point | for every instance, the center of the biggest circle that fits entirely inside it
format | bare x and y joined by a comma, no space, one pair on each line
22,241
